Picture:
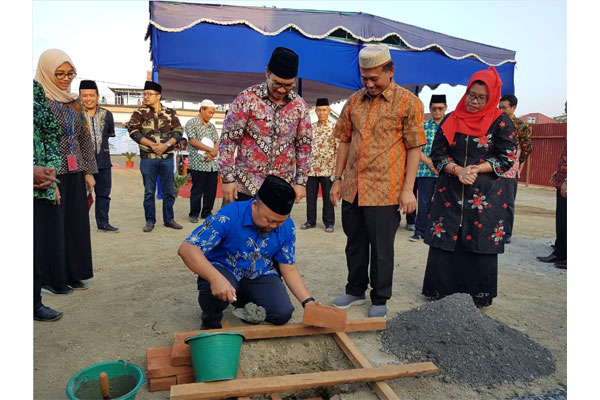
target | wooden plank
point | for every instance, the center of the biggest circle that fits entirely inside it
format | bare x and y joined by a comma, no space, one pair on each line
325,316
240,375
180,354
292,383
159,363
356,357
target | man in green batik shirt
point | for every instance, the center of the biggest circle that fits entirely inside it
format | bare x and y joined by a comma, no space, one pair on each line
46,161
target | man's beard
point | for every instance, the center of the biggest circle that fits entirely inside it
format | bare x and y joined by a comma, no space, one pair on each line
263,232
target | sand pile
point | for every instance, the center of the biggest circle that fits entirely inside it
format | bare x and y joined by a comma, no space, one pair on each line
467,346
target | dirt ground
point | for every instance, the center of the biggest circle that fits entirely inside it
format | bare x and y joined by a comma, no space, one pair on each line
142,293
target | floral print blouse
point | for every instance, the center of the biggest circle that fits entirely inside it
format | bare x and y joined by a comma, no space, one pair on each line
474,214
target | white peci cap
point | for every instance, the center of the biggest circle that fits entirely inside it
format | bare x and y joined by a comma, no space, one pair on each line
374,55
207,103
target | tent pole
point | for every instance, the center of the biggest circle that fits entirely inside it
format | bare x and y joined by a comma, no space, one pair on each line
300,87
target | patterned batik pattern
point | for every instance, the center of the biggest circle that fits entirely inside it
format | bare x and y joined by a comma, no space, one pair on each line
477,210
261,138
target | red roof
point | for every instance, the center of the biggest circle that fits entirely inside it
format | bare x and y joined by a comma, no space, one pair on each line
539,119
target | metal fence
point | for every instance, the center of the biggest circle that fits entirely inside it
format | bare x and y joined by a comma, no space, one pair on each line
548,141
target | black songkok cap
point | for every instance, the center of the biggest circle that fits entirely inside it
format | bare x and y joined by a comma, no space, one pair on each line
277,194
438,98
323,101
149,85
86,84
284,63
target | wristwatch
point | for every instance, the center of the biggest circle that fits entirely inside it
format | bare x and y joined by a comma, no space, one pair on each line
334,178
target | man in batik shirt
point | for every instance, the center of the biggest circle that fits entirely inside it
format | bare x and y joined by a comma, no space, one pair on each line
233,252
102,126
156,129
267,132
324,146
381,130
204,148
427,174
508,104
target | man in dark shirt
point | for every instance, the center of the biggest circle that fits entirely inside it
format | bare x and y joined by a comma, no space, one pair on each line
102,126
156,129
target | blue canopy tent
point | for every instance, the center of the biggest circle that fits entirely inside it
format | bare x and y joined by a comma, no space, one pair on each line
214,51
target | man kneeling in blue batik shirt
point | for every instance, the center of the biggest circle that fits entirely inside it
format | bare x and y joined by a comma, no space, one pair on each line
233,253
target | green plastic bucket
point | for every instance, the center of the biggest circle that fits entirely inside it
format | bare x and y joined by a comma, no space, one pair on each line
215,356
114,369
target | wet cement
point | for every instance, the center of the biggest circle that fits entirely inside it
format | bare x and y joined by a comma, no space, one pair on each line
117,387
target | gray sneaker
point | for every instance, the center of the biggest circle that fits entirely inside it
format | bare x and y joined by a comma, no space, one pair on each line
377,311
410,227
347,300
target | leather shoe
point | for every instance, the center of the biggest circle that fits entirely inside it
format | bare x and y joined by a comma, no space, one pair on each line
173,224
561,264
108,228
549,259
46,314
54,290
193,220
148,227
306,225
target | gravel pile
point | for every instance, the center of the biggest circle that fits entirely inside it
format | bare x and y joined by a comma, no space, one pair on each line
556,394
466,345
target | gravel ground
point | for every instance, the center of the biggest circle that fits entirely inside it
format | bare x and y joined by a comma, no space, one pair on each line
556,394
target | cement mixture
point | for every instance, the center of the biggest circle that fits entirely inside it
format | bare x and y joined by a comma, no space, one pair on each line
251,313
467,346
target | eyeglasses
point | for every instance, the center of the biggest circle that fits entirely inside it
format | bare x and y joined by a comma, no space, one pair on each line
62,75
150,94
480,99
436,108
278,85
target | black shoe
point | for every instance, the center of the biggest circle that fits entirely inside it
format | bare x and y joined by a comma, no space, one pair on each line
108,228
173,224
194,220
549,259
506,240
561,264
148,227
206,216
306,225
415,238
46,314
53,290
78,285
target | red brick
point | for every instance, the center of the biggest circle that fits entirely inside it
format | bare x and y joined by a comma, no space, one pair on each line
158,384
159,364
325,316
186,378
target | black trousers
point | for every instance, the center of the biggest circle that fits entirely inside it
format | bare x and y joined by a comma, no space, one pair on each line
102,191
370,233
204,185
312,191
69,244
560,247
425,186
42,210
511,188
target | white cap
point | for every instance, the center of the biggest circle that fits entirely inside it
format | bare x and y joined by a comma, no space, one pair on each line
373,56
207,103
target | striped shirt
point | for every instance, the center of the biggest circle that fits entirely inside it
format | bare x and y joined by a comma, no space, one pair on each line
380,130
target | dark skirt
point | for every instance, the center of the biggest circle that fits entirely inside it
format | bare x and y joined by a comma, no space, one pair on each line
69,244
460,271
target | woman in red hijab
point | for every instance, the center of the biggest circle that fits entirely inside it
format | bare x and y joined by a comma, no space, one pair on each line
474,146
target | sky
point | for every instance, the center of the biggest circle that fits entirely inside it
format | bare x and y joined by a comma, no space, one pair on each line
123,58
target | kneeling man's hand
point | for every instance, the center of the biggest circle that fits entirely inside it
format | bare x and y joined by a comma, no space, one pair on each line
222,289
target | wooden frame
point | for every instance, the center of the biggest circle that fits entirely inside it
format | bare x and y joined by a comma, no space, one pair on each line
167,365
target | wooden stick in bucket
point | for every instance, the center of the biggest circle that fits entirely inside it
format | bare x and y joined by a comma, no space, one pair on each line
104,385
